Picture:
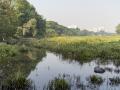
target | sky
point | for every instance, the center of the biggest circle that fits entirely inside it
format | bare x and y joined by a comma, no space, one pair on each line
86,14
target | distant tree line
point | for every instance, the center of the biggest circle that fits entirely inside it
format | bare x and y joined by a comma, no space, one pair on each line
55,29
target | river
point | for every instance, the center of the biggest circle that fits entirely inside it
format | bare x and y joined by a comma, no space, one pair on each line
54,65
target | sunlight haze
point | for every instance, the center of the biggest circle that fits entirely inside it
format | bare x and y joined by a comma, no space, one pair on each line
86,14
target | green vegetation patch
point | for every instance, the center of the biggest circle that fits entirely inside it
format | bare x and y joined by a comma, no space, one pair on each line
84,48
17,82
8,50
58,84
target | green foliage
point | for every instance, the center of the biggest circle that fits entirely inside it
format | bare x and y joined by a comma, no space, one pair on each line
29,28
30,23
84,48
23,49
8,19
7,51
58,84
41,26
51,33
60,29
19,18
25,11
18,82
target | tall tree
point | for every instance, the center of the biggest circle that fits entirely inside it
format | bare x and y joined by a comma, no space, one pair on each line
25,13
8,19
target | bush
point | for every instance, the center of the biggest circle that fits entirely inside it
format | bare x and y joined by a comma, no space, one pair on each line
7,50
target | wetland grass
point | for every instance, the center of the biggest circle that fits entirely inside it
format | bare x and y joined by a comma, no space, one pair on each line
18,82
58,84
83,48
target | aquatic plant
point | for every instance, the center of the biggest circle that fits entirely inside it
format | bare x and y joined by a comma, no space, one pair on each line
58,84
96,80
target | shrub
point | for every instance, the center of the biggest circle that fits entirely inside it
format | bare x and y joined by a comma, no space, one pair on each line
7,50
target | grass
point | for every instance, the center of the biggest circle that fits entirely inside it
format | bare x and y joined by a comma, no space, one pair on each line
58,84
83,48
18,82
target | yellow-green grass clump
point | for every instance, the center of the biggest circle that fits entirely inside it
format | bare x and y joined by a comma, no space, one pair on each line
84,47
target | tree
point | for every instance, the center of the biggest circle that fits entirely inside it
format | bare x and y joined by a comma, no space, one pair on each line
8,19
60,29
28,29
41,26
51,33
118,29
25,13
18,16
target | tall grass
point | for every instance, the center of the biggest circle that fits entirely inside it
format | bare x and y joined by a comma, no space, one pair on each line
84,48
58,84
18,82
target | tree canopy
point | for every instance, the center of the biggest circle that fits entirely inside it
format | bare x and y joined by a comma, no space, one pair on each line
8,19
18,17
26,13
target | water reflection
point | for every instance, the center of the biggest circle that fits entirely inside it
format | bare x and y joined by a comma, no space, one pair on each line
24,63
54,65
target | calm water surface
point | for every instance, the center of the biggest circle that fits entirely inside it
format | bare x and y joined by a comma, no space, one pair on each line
54,65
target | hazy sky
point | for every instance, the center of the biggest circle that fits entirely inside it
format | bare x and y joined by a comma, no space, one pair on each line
89,14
